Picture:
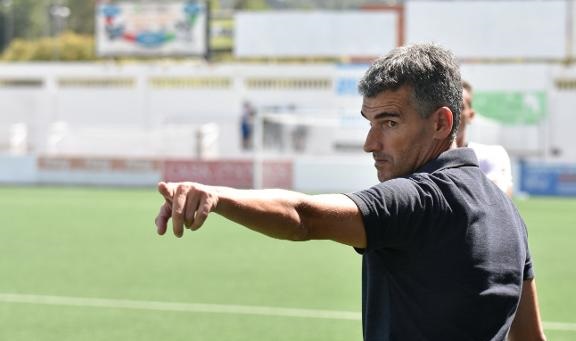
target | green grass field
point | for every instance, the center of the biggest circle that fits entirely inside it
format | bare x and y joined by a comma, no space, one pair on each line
95,254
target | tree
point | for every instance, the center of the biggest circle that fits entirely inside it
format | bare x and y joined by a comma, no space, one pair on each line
82,16
31,19
25,18
251,5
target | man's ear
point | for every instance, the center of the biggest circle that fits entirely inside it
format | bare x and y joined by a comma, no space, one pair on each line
443,121
472,115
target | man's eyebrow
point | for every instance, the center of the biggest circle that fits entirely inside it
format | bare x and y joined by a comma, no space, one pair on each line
382,115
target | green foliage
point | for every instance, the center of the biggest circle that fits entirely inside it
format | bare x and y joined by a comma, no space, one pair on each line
81,16
253,5
27,18
68,46
215,5
30,29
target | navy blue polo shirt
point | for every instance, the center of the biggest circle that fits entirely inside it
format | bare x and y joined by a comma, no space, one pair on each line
446,254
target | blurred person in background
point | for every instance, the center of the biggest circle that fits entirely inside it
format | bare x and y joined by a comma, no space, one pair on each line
247,125
492,159
445,252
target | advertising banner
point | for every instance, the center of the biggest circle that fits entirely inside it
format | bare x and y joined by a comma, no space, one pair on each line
548,179
98,171
152,29
233,173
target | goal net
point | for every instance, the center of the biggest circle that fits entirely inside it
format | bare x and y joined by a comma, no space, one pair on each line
309,133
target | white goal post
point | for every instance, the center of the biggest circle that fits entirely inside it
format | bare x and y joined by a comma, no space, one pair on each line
304,132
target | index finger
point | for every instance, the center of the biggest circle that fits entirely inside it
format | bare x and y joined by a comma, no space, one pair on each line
167,191
162,218
178,206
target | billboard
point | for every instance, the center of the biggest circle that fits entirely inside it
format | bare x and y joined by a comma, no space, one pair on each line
512,107
316,33
492,29
550,179
234,173
177,28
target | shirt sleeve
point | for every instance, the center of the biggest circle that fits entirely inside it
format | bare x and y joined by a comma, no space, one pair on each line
392,212
528,267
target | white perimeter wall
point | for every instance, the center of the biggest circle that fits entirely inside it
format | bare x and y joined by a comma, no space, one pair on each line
148,121
140,118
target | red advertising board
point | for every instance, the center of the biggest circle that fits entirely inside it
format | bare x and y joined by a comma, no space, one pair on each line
233,173
97,164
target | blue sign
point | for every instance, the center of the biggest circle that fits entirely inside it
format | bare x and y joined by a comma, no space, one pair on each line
347,86
538,178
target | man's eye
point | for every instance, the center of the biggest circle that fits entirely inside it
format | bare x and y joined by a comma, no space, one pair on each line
389,124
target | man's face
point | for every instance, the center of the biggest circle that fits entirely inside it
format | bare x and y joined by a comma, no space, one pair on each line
399,139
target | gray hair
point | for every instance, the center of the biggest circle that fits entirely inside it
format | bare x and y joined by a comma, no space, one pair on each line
429,69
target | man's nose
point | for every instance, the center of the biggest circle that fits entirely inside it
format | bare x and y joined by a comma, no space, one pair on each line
372,143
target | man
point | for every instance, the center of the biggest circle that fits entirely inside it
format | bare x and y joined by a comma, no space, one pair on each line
492,159
247,125
445,253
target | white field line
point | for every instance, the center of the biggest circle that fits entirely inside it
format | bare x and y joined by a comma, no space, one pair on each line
571,327
185,307
208,308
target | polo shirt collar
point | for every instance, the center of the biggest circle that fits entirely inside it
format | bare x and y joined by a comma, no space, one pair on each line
452,158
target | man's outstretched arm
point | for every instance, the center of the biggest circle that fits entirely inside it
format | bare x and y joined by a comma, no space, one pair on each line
276,213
